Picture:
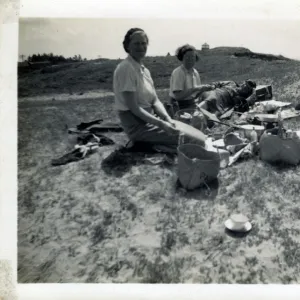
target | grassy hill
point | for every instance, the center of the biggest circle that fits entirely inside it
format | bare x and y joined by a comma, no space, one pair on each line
221,63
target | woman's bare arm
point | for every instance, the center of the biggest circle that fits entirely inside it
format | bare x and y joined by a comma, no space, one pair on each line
182,95
161,111
131,102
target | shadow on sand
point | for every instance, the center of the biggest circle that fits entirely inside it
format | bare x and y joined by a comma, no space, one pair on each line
204,192
120,161
236,235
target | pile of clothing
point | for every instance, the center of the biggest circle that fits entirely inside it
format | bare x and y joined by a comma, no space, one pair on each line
89,139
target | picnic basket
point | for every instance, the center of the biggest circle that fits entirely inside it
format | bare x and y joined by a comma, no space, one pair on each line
197,120
196,165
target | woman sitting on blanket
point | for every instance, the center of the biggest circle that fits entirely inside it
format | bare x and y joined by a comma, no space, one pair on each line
136,99
185,82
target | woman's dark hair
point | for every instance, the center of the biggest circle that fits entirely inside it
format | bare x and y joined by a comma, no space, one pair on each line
183,49
128,35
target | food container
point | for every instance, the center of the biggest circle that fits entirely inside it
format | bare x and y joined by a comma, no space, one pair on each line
192,117
247,129
271,118
184,115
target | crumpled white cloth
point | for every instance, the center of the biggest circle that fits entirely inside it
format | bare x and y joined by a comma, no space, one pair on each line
8,289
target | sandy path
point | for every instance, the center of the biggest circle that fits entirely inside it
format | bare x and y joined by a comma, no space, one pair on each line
78,96
67,96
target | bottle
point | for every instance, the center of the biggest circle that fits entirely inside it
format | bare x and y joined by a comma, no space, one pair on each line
253,140
235,117
289,133
280,124
242,134
181,139
208,144
253,135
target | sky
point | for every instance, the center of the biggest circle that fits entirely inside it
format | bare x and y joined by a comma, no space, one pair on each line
103,37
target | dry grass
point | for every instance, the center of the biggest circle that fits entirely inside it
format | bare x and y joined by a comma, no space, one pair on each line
78,224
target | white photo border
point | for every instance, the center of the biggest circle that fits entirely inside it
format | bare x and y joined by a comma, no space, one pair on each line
289,9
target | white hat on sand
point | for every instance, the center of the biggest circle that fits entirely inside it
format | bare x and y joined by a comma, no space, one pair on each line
239,223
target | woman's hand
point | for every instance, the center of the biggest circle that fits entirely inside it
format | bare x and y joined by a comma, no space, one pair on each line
205,87
169,120
169,127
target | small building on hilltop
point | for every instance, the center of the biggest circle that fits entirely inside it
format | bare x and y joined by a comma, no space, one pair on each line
205,46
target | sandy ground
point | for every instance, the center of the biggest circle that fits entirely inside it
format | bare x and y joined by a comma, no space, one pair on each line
95,94
65,96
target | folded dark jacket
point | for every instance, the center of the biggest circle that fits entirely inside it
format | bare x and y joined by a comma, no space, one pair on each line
84,125
86,145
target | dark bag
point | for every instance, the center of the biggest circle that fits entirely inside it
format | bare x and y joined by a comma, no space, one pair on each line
264,92
274,148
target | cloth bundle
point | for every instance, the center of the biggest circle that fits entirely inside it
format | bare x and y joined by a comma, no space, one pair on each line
87,143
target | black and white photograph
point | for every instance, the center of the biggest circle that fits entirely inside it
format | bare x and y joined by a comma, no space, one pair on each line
158,150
